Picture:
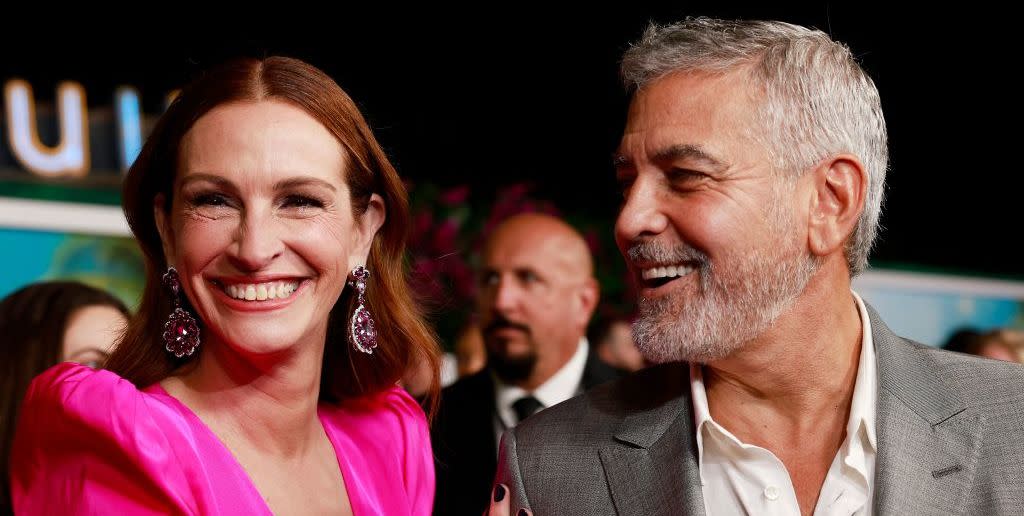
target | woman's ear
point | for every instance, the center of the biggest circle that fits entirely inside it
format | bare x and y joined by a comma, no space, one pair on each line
163,227
366,227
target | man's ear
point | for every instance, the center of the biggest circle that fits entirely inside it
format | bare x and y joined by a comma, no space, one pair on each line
589,295
840,187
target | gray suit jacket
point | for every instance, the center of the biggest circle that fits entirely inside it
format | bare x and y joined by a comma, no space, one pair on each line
950,431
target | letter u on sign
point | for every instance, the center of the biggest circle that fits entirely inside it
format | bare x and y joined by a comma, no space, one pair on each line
70,158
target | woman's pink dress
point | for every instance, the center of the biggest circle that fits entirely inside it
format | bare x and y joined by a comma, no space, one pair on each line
89,442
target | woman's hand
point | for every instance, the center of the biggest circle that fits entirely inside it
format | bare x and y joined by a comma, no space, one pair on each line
501,503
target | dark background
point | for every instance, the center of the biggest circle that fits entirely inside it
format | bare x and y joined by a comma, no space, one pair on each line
501,93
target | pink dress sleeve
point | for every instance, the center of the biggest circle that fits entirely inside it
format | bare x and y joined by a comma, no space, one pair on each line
86,444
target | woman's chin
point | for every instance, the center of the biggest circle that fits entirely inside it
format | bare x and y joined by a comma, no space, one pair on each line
264,347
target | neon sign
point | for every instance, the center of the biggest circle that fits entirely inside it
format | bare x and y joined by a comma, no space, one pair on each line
70,157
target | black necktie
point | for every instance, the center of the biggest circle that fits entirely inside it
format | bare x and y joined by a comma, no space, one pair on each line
525,407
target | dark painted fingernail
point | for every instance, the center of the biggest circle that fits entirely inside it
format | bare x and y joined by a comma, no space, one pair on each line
522,512
499,493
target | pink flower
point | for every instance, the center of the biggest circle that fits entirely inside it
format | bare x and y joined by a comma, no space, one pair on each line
445,236
593,242
424,279
516,191
421,222
457,195
425,266
463,280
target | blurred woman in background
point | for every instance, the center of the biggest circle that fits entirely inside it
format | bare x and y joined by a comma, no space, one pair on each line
43,324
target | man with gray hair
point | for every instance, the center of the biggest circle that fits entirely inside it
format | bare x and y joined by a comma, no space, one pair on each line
752,168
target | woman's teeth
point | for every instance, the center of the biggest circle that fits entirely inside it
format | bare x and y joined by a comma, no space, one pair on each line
261,291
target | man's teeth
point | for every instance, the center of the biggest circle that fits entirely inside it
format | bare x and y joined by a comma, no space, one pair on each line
670,271
262,291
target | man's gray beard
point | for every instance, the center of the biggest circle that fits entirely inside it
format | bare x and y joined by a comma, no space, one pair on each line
736,303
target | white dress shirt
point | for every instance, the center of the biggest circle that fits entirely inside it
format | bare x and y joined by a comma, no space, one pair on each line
449,369
563,385
739,478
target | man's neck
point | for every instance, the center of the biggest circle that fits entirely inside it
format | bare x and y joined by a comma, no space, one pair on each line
544,370
790,390
798,374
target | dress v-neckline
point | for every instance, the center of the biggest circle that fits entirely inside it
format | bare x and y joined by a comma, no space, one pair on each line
344,465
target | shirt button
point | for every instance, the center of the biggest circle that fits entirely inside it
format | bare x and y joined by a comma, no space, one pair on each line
771,493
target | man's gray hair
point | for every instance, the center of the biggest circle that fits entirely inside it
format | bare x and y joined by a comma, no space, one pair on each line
818,101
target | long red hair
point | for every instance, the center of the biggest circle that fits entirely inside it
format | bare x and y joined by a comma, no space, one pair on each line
404,338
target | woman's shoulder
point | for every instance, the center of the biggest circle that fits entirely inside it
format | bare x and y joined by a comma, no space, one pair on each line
385,436
393,407
389,422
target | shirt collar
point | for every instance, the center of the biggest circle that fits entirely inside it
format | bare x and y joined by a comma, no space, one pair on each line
564,384
865,390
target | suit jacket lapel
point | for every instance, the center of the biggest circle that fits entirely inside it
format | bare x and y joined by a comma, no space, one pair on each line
651,466
928,438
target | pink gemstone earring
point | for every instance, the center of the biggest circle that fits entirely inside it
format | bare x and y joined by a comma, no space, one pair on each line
181,333
362,334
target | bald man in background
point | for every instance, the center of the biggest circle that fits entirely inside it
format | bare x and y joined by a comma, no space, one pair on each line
536,294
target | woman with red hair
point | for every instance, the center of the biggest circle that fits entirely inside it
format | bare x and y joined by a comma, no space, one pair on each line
260,373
